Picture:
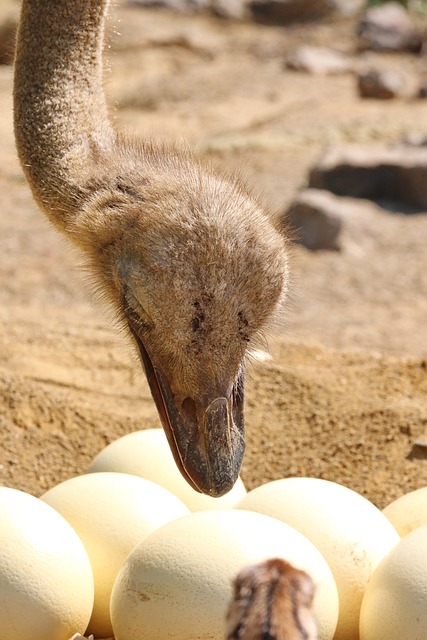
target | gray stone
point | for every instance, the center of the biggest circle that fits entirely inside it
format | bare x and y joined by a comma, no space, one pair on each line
385,174
271,11
286,11
415,139
382,84
349,7
318,60
181,6
324,221
235,9
389,27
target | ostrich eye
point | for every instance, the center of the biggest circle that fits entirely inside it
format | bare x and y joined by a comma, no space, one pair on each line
198,317
134,310
244,329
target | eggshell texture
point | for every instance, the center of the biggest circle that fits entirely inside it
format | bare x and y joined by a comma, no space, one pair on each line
408,512
350,532
395,603
147,454
111,512
177,583
46,581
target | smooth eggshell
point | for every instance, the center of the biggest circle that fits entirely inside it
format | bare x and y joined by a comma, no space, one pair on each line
350,532
46,581
177,583
147,454
408,512
111,512
395,603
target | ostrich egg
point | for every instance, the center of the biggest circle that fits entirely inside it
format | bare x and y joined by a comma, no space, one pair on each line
147,454
46,581
111,512
350,532
177,583
408,512
394,606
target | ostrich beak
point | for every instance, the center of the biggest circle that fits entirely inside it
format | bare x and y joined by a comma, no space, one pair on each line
205,434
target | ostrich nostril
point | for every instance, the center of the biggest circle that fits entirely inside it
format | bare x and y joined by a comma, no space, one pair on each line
189,412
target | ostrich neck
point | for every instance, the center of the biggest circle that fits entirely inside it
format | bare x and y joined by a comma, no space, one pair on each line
61,119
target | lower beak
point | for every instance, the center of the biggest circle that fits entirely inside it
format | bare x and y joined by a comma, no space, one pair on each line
206,434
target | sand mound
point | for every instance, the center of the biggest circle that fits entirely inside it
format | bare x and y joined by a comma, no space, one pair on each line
339,415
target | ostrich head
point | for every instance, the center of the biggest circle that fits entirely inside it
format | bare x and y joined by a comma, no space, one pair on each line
195,273
272,599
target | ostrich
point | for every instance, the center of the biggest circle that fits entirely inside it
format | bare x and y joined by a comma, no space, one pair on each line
272,601
191,263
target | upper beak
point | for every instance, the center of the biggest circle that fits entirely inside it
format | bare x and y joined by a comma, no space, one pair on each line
206,434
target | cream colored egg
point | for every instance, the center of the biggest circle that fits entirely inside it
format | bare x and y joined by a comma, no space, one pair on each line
111,512
350,532
147,454
395,602
177,583
46,581
408,512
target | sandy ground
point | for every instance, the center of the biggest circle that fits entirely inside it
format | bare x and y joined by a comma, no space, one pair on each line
345,395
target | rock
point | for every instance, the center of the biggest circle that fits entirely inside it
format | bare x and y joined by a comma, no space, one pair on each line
285,11
324,221
415,139
382,84
181,6
270,11
389,174
235,9
389,27
349,7
318,60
